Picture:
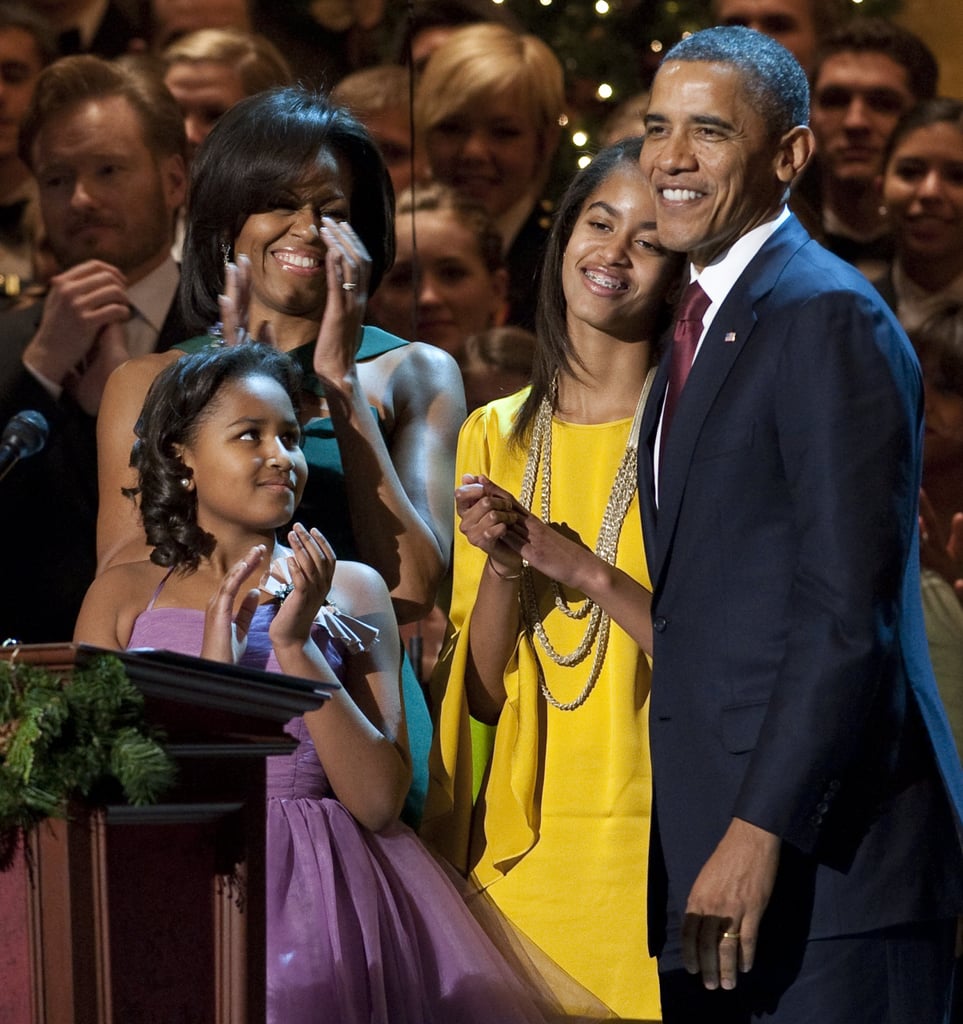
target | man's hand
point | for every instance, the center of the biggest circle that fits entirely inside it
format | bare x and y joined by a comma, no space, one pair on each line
109,351
726,905
81,302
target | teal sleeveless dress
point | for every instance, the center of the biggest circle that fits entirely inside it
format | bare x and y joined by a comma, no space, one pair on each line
325,506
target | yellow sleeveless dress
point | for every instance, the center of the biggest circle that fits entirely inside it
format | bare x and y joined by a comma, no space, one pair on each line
559,837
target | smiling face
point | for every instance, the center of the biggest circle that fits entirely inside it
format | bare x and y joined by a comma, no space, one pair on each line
246,465
857,100
285,248
454,291
923,193
615,274
489,151
710,159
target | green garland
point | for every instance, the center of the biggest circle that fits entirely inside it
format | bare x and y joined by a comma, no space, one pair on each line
85,738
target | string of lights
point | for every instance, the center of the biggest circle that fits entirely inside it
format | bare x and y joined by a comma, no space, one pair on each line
610,50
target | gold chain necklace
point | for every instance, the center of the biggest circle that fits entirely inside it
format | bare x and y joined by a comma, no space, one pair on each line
606,547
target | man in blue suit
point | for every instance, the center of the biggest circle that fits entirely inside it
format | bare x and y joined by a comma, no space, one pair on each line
806,860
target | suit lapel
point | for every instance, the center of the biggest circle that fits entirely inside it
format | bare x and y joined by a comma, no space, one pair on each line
173,331
647,432
728,335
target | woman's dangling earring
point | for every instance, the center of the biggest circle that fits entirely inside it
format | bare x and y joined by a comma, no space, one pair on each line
225,253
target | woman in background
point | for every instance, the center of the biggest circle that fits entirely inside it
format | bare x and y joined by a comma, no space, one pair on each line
922,190
487,108
455,284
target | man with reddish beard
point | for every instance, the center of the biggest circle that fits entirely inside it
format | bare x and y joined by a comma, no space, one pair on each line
106,145
805,863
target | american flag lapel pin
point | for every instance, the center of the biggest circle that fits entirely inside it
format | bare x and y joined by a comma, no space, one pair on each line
730,337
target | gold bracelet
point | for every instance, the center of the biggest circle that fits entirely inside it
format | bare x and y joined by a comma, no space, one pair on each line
502,576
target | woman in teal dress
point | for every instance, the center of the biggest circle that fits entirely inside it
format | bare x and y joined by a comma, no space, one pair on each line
291,216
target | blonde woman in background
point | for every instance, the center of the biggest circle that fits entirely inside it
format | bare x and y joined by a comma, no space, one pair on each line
487,109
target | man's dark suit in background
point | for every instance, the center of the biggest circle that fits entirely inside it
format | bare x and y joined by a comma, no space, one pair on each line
106,144
50,499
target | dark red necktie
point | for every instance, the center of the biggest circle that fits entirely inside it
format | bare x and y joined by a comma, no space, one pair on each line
685,339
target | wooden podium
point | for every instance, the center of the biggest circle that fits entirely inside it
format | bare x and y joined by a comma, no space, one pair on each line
156,914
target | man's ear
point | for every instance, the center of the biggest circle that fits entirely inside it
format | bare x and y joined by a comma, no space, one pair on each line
796,149
173,174
500,297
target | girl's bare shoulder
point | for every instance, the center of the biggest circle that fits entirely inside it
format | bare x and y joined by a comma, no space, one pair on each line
118,595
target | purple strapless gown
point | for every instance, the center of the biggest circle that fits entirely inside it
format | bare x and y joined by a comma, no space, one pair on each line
362,927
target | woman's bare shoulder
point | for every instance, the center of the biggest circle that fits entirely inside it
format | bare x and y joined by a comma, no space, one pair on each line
359,590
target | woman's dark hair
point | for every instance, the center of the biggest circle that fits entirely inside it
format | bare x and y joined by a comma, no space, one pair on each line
179,400
257,150
939,342
554,353
942,110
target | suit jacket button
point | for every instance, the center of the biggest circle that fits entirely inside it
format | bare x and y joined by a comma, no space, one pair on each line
659,624
822,808
816,819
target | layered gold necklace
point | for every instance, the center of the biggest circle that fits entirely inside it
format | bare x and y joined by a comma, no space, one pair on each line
606,547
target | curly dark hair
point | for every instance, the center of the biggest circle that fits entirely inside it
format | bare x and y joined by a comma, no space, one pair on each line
260,147
179,400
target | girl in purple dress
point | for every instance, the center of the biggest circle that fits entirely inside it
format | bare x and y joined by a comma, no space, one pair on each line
362,923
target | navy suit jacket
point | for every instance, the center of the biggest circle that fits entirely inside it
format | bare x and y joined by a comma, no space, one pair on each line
791,684
49,500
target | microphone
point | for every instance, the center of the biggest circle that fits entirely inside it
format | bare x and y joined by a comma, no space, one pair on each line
23,436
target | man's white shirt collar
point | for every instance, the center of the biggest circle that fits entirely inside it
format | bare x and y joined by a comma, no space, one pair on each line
719,277
717,280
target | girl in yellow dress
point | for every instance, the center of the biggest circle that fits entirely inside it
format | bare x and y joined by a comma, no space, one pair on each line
550,609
